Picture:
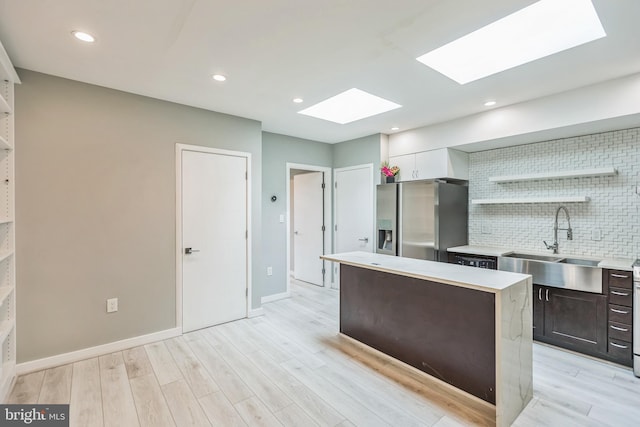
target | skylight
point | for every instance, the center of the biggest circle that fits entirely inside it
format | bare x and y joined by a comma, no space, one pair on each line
539,30
349,106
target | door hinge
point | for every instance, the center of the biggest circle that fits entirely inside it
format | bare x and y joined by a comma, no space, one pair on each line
246,292
336,184
324,271
246,176
246,234
335,227
323,186
323,228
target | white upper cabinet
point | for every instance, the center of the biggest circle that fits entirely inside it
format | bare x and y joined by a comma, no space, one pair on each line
407,165
441,163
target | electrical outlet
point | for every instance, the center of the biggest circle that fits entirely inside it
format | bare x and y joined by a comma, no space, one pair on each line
112,305
269,271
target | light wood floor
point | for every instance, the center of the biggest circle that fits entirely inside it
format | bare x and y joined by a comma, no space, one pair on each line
289,368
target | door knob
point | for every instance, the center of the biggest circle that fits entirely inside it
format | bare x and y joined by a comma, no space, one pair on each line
366,240
189,251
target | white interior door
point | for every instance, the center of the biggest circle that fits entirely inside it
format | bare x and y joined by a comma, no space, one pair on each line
214,239
354,210
308,220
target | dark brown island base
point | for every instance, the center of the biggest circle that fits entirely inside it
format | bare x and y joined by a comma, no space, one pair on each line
465,327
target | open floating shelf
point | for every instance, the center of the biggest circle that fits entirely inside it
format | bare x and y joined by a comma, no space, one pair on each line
557,199
555,175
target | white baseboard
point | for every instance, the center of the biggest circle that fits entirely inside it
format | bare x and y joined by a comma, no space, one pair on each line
255,312
275,297
99,350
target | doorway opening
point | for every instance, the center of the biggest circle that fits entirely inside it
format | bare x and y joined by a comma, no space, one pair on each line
308,191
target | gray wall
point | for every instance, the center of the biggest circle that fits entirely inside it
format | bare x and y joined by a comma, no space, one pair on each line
358,152
277,151
95,209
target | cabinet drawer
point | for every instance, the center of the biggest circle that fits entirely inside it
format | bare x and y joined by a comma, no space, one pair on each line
620,314
620,279
620,350
620,296
619,331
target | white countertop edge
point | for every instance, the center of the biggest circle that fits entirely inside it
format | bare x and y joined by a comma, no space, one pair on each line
617,264
485,280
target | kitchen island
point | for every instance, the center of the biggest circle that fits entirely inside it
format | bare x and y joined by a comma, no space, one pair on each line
466,327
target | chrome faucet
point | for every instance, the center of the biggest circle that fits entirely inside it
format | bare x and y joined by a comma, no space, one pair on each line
555,230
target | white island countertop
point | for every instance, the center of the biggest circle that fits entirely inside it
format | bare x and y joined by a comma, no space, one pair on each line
610,263
469,277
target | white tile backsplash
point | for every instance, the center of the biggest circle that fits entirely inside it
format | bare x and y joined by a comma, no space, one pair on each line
612,214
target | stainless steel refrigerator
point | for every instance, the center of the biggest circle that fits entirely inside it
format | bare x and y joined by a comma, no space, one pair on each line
421,219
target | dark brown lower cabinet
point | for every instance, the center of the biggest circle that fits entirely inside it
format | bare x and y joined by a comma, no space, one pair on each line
571,319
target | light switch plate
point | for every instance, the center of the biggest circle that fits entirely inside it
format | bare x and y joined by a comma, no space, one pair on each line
269,271
112,305
281,218
596,234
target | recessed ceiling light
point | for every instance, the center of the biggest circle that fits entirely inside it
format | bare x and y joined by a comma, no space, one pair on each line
395,128
298,100
349,106
219,77
539,30
490,103
85,37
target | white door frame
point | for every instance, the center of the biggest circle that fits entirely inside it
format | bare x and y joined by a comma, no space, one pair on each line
327,212
334,266
200,149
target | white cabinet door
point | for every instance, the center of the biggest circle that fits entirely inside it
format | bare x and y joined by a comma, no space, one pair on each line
407,165
431,164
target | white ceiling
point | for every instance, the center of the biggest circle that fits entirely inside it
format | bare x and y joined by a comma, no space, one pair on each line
275,50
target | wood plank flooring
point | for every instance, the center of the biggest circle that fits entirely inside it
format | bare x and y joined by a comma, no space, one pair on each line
290,368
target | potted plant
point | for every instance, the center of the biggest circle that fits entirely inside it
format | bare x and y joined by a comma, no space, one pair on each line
389,172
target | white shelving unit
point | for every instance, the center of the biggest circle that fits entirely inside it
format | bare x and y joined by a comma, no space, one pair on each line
4,144
4,106
8,77
521,200
554,175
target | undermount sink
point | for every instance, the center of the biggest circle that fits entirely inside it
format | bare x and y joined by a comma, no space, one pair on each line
556,271
545,258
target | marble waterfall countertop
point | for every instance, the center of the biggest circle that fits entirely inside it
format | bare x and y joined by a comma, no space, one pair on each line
611,263
475,278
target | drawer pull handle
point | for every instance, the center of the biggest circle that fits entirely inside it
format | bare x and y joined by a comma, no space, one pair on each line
619,276
619,311
618,345
617,328
622,294
540,294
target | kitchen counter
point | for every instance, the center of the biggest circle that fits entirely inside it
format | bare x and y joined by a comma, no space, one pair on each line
458,275
466,327
610,263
